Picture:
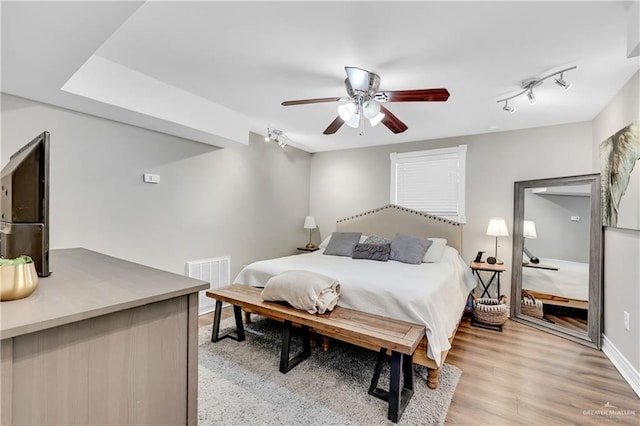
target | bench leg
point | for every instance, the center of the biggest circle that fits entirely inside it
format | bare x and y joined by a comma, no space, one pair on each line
397,397
432,377
325,344
237,335
287,363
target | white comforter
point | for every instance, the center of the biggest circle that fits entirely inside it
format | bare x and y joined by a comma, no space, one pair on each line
433,294
571,280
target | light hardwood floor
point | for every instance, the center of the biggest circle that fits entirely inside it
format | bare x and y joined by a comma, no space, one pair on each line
525,376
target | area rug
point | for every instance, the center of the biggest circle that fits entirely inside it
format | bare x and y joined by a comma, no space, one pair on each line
239,384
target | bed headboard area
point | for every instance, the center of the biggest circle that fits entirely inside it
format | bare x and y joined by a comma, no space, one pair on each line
388,220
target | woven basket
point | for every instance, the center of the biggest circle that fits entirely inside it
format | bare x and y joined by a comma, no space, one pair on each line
491,311
530,306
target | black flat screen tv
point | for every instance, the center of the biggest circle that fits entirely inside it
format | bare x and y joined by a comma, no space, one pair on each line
24,204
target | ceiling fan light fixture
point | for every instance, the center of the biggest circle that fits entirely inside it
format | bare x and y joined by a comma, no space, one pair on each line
371,109
346,111
376,120
354,121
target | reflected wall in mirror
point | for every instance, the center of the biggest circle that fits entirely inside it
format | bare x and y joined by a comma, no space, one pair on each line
557,241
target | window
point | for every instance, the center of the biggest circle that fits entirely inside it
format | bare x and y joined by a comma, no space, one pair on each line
430,181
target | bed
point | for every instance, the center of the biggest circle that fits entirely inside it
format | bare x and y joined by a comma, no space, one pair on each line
558,282
433,294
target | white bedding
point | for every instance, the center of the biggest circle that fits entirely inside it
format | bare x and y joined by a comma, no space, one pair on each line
433,294
571,280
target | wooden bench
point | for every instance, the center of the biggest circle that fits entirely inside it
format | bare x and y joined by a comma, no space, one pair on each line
367,330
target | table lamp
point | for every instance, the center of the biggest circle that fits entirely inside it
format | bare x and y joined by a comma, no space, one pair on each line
310,224
497,228
529,231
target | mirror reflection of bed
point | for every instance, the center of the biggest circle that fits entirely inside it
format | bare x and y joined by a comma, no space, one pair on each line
556,253
562,287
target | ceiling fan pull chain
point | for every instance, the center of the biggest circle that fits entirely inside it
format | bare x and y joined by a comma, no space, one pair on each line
361,114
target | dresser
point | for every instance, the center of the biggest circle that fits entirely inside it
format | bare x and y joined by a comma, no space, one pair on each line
101,341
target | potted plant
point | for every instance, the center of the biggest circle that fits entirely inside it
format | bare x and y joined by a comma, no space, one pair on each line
18,278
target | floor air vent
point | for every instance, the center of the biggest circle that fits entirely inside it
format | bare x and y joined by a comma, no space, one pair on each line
215,271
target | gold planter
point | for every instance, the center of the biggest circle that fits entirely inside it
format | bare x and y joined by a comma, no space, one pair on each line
17,281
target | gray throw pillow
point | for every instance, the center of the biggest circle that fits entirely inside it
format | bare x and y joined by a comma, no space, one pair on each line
409,249
342,243
372,251
374,239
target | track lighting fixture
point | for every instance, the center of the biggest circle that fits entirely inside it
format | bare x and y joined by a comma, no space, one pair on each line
278,136
528,86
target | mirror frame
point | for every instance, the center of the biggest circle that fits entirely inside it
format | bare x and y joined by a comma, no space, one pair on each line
594,320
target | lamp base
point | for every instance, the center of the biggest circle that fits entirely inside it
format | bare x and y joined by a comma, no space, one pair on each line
310,246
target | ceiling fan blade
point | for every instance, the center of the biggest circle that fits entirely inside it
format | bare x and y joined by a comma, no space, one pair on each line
334,126
392,122
419,95
310,101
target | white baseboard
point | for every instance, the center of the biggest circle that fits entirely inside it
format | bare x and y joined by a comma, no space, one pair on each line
622,365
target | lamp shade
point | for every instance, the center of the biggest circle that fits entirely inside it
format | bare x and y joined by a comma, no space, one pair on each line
376,120
309,222
371,109
497,227
346,111
529,229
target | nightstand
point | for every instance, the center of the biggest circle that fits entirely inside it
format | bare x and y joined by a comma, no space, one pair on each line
309,249
495,271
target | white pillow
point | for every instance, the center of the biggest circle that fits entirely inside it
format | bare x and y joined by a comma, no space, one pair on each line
325,242
435,251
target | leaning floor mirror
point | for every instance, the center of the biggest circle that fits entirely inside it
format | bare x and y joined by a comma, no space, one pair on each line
556,280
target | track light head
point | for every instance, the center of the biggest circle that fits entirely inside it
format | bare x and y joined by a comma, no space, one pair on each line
562,83
508,108
531,96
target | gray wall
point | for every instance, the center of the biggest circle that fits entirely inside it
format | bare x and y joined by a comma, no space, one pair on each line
558,237
247,202
621,246
351,181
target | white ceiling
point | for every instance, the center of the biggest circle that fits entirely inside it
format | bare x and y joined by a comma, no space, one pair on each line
213,71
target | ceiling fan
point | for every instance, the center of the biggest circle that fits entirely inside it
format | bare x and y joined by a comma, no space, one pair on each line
365,100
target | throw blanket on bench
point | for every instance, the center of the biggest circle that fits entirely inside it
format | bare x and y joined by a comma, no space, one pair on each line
304,290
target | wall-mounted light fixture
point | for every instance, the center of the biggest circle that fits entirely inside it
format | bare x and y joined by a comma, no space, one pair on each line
528,86
278,136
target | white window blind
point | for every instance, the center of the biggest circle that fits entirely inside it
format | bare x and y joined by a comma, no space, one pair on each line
431,181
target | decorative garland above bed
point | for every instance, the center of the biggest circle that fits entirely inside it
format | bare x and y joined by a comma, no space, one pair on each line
404,209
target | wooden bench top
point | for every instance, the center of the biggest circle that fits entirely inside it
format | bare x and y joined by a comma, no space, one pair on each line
360,328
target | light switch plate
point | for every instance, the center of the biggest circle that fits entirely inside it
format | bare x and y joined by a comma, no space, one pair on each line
151,178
